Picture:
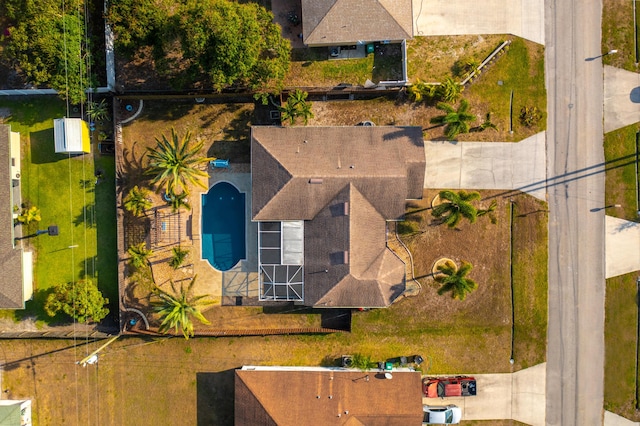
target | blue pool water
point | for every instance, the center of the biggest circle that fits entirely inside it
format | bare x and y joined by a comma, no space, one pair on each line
223,226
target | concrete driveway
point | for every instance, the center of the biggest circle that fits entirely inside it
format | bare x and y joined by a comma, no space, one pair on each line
488,165
622,246
621,98
524,18
519,396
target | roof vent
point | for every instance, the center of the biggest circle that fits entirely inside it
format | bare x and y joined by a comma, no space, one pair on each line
352,166
315,180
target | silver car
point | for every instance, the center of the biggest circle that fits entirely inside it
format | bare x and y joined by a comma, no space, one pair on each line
448,415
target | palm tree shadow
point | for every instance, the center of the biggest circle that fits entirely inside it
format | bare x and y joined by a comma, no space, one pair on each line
130,170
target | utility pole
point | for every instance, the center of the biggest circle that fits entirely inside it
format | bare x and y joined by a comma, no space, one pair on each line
92,358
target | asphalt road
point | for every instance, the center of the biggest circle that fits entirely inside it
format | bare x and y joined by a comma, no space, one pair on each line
575,354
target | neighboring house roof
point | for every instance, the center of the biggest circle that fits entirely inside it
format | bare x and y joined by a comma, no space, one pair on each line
297,396
11,296
344,183
335,22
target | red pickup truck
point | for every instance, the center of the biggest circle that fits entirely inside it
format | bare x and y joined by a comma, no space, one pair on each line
441,387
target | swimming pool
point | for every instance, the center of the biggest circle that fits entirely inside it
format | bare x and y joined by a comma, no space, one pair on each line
223,226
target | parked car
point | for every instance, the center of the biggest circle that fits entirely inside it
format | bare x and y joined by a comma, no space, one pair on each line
441,387
435,415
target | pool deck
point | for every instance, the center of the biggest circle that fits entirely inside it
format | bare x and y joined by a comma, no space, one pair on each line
242,279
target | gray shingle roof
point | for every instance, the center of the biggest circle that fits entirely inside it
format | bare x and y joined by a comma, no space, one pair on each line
11,296
327,22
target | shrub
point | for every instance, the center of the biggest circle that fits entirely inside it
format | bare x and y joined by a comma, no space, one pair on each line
179,255
530,116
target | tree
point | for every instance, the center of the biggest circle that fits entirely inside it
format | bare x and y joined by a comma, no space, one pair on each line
137,201
174,163
454,280
179,255
530,116
29,215
136,23
80,300
97,111
47,46
490,211
456,206
456,121
234,44
177,311
449,90
139,255
177,201
297,106
421,91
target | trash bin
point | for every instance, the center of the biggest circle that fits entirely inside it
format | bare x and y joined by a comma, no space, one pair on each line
370,48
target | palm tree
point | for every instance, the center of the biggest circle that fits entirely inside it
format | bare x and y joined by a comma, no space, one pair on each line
456,206
175,163
297,97
288,112
177,201
449,90
296,106
490,211
139,255
304,111
97,111
177,311
29,215
179,255
420,91
454,280
456,121
137,201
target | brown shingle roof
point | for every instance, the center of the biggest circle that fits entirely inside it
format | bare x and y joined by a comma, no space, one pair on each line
300,397
10,258
326,22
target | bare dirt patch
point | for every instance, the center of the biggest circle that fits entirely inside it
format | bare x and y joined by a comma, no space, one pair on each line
432,59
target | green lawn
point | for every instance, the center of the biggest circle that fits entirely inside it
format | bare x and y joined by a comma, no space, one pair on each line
312,67
620,177
520,70
65,191
530,256
618,33
621,320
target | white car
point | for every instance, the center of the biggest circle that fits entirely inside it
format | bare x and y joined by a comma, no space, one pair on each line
448,415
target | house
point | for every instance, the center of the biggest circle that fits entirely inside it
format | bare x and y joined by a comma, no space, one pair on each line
16,264
15,412
322,197
326,396
348,22
71,136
